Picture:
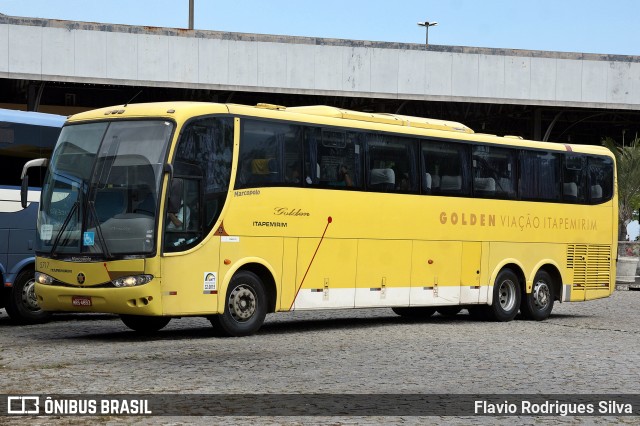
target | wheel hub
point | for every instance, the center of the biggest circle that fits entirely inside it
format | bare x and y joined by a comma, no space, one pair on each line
242,303
29,299
541,295
506,294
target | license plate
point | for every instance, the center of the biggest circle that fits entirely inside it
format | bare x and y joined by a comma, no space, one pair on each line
81,301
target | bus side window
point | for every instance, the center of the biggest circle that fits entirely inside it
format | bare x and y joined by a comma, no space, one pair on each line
600,179
270,154
337,156
447,167
264,171
391,164
573,178
493,171
540,175
203,164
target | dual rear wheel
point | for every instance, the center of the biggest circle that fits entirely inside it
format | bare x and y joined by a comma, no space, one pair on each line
538,304
509,297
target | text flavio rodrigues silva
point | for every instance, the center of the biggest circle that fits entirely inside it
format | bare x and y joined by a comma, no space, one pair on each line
525,407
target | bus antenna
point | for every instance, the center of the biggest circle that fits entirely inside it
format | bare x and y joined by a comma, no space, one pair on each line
134,96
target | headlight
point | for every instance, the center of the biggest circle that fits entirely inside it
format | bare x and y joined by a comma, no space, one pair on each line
43,278
132,281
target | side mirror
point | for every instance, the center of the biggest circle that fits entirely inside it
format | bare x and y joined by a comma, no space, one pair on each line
24,189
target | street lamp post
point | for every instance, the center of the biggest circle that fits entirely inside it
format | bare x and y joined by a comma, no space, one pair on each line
190,14
426,25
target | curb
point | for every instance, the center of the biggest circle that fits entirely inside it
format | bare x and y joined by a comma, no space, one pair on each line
625,287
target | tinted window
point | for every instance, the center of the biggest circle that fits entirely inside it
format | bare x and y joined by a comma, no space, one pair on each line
446,168
600,179
20,143
494,171
202,171
540,176
334,158
270,154
574,179
391,164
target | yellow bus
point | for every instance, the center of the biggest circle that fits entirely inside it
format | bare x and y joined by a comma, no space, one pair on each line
230,212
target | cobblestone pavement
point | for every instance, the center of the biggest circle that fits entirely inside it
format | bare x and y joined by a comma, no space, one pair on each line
591,347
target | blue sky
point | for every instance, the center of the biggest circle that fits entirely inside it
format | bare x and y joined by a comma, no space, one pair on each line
590,26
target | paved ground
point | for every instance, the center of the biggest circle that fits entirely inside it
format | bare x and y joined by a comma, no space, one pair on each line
591,347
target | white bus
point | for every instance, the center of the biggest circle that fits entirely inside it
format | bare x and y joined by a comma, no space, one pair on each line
23,136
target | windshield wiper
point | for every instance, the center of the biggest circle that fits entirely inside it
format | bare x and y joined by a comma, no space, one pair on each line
64,227
103,242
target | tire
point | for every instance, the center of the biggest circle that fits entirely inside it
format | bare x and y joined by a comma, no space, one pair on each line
245,307
414,312
22,304
145,324
538,304
506,296
449,311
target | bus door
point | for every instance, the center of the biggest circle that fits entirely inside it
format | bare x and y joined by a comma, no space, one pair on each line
190,269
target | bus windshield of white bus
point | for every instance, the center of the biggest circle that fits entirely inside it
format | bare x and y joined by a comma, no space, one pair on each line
100,196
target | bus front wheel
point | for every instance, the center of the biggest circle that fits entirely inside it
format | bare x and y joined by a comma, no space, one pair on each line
22,305
506,296
144,324
538,304
245,307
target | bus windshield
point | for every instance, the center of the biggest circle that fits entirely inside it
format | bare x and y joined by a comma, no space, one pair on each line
100,196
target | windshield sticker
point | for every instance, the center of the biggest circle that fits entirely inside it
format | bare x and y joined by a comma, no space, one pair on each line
88,238
46,232
210,281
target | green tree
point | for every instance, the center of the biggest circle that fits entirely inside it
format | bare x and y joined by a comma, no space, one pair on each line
628,165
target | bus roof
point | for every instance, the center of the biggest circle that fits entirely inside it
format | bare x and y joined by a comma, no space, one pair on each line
183,110
167,109
383,118
30,117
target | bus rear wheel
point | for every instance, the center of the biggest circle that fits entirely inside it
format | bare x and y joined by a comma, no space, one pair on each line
506,296
245,307
414,312
144,324
22,304
538,304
